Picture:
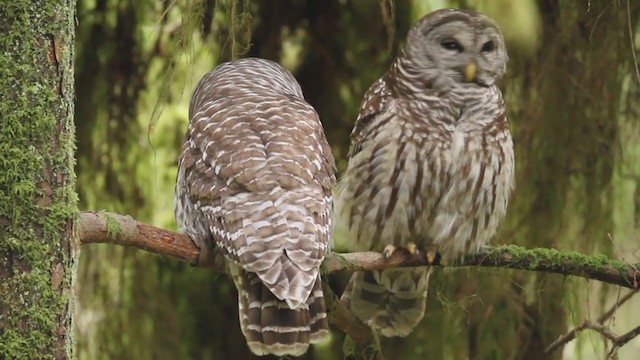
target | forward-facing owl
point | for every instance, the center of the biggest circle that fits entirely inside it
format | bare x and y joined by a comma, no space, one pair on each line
431,161
254,185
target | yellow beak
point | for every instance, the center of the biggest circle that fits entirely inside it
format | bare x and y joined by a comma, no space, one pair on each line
470,72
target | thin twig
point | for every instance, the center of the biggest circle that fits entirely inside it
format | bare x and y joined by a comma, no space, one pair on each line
609,313
621,340
603,330
618,341
565,339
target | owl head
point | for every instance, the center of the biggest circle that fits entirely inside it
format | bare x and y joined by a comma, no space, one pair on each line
456,47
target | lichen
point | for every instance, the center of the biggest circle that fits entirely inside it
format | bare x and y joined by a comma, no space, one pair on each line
114,230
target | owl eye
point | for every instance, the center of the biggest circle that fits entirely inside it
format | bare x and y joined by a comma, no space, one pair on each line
452,45
488,46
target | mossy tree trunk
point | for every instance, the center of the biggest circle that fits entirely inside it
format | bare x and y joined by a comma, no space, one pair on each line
38,249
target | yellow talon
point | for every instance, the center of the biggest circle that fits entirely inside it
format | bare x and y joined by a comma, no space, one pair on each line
431,256
412,248
388,251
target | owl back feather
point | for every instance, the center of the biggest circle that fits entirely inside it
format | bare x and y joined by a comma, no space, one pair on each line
254,187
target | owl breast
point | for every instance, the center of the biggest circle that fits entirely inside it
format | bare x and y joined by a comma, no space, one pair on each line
478,167
437,180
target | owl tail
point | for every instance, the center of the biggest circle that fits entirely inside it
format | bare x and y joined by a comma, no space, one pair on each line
270,326
392,301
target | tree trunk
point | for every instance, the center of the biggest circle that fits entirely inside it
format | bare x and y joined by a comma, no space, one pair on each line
38,250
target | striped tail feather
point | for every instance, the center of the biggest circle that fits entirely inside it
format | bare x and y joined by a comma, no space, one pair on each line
392,301
270,326
319,321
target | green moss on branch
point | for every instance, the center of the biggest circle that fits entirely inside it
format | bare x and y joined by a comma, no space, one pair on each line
597,267
114,230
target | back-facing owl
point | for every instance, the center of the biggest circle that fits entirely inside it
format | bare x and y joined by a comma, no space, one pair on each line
254,186
431,161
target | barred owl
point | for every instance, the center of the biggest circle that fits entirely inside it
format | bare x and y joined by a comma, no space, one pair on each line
431,161
254,187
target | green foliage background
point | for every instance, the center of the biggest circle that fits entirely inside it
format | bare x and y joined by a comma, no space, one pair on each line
572,94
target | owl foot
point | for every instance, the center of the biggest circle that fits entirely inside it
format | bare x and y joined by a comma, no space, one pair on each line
434,258
389,250
412,248
432,255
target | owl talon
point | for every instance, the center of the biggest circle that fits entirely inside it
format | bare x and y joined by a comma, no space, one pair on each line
412,248
388,251
431,256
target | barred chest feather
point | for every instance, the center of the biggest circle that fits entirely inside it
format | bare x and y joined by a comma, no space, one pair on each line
436,173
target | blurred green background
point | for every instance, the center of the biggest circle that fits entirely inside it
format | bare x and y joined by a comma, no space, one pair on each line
573,94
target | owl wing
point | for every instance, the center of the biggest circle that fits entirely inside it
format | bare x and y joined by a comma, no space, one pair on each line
262,177
374,103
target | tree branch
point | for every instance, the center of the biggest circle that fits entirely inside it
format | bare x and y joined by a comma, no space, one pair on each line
105,227
111,228
363,343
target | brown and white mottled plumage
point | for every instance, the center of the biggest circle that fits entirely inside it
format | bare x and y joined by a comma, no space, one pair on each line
431,160
254,185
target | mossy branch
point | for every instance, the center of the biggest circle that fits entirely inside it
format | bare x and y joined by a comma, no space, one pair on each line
105,227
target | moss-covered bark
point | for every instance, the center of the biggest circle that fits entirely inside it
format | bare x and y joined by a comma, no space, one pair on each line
37,198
